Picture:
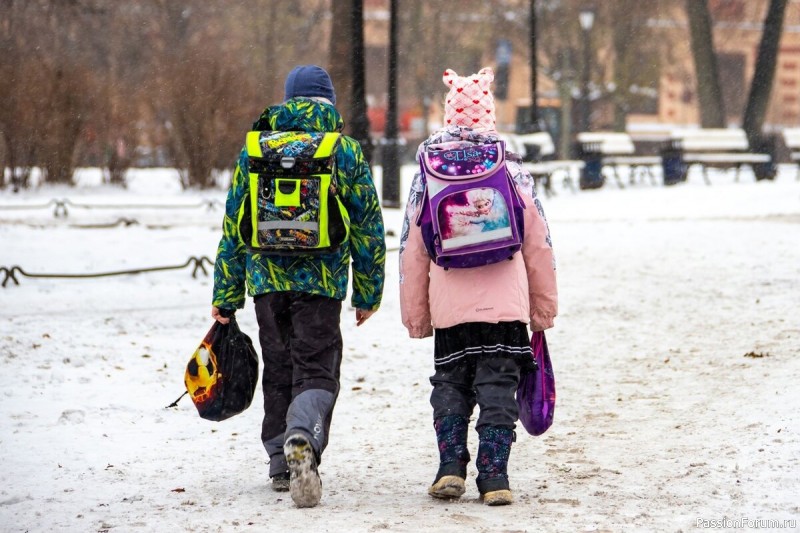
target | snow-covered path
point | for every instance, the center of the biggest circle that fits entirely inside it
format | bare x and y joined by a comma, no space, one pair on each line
676,352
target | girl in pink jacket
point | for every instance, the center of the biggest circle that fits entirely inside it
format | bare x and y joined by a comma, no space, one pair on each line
479,315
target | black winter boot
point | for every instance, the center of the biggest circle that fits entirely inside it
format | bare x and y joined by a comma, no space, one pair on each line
451,436
492,462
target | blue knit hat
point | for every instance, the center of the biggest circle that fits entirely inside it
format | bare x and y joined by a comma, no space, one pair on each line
309,80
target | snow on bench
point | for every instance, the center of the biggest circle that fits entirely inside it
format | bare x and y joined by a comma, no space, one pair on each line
612,150
537,151
791,137
711,147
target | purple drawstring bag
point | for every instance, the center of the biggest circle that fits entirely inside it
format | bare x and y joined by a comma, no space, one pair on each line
536,393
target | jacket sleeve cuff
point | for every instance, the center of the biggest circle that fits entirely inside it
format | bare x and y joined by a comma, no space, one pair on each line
541,321
418,332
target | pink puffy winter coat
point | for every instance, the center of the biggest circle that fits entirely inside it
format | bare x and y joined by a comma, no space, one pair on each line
522,289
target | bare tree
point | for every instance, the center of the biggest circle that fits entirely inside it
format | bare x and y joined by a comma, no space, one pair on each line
423,27
53,71
626,56
22,83
118,117
71,55
347,69
67,107
358,106
281,35
434,37
709,92
99,82
761,84
200,81
209,77
341,54
636,61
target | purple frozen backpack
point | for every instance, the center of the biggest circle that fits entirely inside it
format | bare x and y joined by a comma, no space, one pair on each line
536,393
471,211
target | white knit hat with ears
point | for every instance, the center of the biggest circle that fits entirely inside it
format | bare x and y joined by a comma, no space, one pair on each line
470,101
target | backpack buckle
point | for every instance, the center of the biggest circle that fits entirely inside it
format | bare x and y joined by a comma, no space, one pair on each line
287,162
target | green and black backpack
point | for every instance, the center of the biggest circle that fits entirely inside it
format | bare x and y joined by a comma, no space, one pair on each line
292,206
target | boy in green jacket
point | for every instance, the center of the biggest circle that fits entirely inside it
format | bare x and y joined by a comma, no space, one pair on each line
298,299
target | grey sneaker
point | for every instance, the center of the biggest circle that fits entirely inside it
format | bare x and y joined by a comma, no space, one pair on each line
305,486
280,482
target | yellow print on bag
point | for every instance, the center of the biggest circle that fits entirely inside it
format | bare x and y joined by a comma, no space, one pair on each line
290,137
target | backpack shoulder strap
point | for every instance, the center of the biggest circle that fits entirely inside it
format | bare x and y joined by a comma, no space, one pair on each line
252,144
327,148
329,143
423,203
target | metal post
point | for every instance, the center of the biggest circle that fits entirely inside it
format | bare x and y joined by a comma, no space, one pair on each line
585,107
586,20
359,123
534,110
391,168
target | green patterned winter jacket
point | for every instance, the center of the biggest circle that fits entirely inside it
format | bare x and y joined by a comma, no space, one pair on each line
237,268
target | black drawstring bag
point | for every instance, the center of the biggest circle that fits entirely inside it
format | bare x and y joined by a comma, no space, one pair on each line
222,373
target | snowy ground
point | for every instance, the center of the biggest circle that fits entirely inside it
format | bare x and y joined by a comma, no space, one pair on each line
676,352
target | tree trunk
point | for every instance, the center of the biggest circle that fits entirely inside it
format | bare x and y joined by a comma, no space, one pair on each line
761,84
347,70
341,53
709,92
565,86
68,107
117,146
359,122
8,162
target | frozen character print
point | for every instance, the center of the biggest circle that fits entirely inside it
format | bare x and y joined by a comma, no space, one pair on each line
485,211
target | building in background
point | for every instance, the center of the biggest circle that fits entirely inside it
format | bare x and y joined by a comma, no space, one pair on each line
670,102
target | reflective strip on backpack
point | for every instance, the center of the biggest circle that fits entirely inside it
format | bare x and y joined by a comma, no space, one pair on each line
287,224
253,199
253,144
325,183
327,145
325,149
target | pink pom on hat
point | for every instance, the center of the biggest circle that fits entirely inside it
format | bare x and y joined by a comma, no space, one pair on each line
470,102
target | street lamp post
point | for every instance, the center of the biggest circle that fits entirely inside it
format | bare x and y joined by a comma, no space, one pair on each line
391,168
586,18
534,111
359,122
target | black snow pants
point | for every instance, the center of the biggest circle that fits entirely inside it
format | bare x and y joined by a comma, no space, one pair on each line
301,345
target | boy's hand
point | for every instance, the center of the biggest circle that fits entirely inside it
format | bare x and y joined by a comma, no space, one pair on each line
216,314
363,314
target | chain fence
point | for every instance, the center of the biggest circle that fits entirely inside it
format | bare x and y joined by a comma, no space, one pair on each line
9,274
60,210
61,206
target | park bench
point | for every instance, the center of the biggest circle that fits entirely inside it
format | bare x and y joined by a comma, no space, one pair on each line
791,137
538,151
612,150
712,148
